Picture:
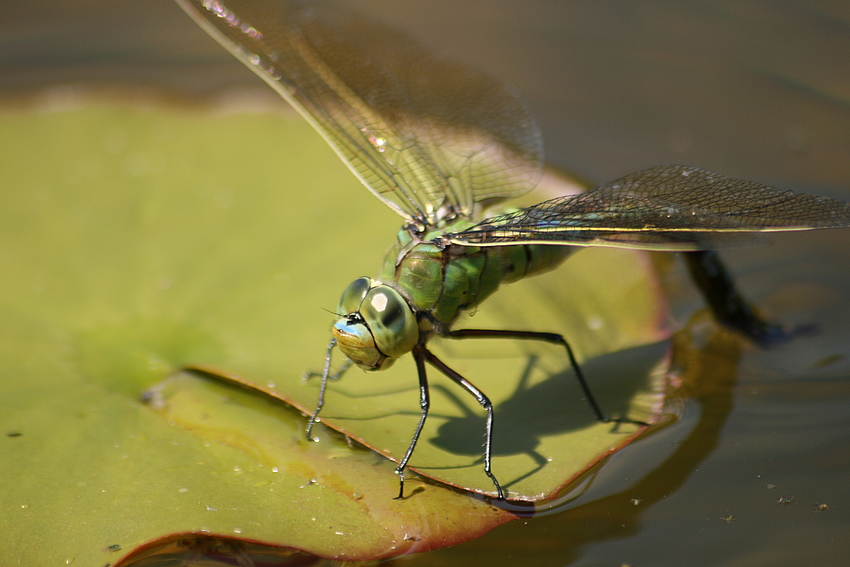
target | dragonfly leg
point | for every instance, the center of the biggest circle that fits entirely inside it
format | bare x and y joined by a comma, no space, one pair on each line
552,338
481,398
424,405
326,375
728,305
335,376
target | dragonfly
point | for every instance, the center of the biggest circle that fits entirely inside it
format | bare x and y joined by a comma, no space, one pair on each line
440,144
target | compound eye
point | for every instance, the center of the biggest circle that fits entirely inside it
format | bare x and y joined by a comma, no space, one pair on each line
353,295
391,320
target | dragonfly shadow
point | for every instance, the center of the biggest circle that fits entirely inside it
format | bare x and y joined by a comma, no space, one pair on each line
553,406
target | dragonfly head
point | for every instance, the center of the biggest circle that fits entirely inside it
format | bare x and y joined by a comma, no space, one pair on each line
376,325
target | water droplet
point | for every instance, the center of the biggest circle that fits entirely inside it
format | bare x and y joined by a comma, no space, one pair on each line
379,142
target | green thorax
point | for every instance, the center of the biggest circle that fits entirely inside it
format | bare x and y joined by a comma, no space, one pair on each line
442,282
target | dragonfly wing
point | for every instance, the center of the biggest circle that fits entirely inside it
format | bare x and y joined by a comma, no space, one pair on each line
428,137
663,208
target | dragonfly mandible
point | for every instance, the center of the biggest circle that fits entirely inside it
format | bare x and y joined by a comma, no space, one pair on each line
439,144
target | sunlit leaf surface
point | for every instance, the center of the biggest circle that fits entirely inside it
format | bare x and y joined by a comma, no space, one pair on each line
137,242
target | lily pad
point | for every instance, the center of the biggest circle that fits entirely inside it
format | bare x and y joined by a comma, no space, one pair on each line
140,241
132,246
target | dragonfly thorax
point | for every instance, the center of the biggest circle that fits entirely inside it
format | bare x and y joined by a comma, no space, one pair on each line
376,325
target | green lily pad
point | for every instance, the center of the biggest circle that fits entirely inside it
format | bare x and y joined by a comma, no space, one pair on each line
131,246
137,242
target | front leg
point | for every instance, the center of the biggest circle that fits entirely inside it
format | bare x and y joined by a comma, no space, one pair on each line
326,375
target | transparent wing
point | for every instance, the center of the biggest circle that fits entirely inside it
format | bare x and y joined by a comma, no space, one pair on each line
428,137
671,207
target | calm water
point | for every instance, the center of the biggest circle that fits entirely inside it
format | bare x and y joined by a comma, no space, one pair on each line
753,91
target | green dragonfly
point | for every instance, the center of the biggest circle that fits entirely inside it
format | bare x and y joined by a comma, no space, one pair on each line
439,144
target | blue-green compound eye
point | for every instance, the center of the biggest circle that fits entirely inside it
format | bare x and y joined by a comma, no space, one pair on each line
391,320
375,326
353,295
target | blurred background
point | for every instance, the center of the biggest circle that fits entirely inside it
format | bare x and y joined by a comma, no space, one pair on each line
752,89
